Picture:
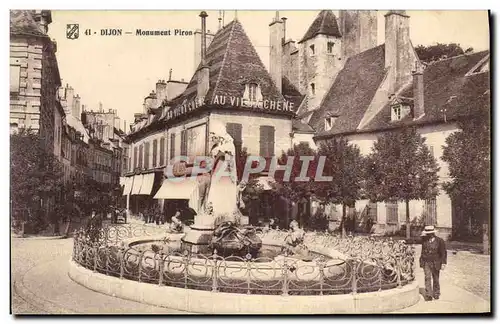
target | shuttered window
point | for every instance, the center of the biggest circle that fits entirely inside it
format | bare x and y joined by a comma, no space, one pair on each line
392,212
146,155
430,212
172,146
235,130
155,153
372,211
135,158
140,156
184,143
266,141
162,151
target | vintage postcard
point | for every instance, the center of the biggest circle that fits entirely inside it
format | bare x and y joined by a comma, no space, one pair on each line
250,162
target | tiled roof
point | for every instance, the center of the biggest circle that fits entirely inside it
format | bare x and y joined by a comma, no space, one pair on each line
446,86
23,23
233,62
324,24
291,93
301,127
352,91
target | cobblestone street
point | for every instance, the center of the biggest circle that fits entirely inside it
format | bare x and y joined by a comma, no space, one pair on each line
41,284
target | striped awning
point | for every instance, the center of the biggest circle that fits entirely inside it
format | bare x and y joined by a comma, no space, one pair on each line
136,188
147,184
129,181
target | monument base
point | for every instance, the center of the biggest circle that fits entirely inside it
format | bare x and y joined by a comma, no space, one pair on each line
197,239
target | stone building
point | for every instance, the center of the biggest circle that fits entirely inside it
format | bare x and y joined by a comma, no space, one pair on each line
33,100
376,88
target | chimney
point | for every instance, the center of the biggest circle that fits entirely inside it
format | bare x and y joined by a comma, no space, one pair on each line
359,31
76,109
276,32
150,102
100,107
43,18
203,76
418,91
398,58
284,29
220,19
198,44
170,75
70,97
161,90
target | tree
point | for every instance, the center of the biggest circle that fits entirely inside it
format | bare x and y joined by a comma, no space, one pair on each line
468,154
35,175
401,168
344,164
293,189
439,51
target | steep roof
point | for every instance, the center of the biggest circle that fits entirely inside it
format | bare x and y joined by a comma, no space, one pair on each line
233,62
324,24
352,91
291,93
23,23
446,85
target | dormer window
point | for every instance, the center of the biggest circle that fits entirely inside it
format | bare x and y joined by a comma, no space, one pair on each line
329,47
252,92
313,89
329,121
399,111
311,49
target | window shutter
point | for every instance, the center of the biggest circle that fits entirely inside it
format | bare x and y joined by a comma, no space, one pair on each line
141,149
155,152
266,141
162,151
172,146
15,78
135,158
184,143
146,155
235,130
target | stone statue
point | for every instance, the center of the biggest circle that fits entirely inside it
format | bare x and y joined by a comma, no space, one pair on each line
228,240
294,242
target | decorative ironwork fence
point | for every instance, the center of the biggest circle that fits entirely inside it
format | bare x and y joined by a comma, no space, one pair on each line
366,264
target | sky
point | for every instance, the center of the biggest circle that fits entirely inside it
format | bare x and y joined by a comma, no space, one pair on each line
119,71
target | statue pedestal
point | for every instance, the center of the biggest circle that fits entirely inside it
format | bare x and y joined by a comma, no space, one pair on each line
199,235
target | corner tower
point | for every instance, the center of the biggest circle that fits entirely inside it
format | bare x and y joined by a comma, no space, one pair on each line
320,58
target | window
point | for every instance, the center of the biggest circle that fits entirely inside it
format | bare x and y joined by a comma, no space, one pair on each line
146,155
329,121
392,212
311,49
234,129
431,149
266,141
162,151
430,211
155,152
396,112
140,156
252,91
329,47
15,78
313,89
372,211
184,143
172,146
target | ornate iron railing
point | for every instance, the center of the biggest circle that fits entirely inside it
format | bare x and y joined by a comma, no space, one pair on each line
364,264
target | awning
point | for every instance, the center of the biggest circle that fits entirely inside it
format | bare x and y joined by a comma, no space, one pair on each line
129,181
178,189
147,184
136,188
122,181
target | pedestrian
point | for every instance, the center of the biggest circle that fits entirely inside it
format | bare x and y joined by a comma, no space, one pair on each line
433,259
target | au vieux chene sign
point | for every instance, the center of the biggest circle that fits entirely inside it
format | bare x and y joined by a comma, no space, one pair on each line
265,105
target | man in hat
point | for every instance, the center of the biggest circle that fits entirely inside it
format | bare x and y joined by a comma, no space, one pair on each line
432,260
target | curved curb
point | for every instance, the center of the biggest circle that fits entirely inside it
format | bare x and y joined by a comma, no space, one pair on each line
198,301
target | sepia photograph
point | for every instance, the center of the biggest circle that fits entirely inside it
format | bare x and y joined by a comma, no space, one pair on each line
250,162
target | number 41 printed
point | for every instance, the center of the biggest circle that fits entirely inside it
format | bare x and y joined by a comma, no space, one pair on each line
88,32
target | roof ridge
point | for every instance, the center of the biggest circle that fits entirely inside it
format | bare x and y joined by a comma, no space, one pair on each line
460,55
231,32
